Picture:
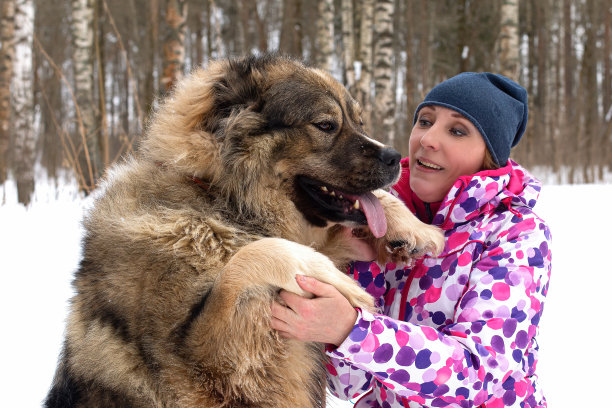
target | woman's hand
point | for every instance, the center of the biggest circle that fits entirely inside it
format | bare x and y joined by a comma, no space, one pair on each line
326,318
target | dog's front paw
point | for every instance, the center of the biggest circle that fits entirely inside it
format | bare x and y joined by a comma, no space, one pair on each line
401,247
407,238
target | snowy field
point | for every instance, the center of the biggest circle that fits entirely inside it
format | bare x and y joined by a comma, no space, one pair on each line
39,250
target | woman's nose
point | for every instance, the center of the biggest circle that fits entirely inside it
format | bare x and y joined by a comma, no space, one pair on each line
431,138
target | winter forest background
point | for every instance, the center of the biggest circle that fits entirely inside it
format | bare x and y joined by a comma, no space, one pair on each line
79,78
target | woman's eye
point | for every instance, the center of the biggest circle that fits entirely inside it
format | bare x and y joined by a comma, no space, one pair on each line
326,126
424,122
458,132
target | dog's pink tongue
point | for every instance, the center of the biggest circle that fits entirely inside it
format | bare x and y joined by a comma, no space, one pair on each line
374,214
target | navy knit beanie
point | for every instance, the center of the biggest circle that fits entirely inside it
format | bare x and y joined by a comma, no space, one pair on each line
496,105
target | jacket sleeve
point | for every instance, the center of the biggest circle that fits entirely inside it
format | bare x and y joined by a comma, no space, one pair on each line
487,353
345,380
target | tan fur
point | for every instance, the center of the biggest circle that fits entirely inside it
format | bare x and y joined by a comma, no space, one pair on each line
173,295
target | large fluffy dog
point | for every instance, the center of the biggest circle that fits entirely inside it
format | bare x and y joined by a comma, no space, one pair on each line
242,181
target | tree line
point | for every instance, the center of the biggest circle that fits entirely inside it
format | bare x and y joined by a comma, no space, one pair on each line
78,78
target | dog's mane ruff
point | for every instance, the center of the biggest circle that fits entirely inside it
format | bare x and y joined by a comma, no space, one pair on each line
174,137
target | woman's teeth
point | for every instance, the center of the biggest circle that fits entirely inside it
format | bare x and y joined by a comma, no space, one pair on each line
429,165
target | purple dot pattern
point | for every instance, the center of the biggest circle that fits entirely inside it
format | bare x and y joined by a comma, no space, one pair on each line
457,330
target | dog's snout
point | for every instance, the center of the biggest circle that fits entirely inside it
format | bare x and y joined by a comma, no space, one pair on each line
389,156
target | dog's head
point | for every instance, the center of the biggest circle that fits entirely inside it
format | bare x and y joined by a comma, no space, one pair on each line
264,127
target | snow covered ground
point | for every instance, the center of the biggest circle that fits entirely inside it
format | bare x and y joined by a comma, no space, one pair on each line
39,250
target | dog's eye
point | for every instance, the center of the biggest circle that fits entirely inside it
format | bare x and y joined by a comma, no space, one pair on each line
326,126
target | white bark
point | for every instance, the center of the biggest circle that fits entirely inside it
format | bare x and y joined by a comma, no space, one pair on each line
23,101
384,100
83,60
509,39
348,43
325,35
7,57
364,83
215,21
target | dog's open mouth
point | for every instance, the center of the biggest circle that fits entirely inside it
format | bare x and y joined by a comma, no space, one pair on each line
341,206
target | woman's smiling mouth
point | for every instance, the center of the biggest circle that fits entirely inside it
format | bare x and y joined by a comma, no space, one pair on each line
428,165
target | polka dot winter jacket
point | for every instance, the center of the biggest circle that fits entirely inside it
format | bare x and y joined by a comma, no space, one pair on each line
457,330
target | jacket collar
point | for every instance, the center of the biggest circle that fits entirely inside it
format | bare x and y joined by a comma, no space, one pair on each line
477,193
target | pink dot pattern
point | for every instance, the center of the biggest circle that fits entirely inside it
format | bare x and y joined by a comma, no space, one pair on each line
457,330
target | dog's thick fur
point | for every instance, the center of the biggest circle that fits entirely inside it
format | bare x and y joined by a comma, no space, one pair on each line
189,242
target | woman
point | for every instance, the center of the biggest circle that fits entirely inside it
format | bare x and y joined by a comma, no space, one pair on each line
458,329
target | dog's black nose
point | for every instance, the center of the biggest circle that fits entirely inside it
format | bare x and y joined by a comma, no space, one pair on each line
389,156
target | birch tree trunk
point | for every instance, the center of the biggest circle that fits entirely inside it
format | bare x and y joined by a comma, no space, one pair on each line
348,44
7,57
363,89
410,83
23,102
325,35
509,39
83,61
607,60
570,128
588,95
606,135
152,55
174,45
213,32
384,100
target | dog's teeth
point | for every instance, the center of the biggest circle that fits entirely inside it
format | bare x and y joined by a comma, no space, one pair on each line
323,188
356,205
333,194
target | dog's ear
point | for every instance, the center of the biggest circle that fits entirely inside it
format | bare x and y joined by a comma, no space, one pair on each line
240,92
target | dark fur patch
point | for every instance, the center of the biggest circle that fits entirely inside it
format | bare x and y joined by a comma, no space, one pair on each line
68,391
181,332
238,90
98,305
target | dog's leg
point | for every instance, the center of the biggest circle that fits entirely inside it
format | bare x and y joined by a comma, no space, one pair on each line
232,336
274,262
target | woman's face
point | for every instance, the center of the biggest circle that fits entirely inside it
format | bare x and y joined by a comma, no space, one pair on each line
444,145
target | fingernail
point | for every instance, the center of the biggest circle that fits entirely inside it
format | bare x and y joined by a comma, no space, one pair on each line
301,278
